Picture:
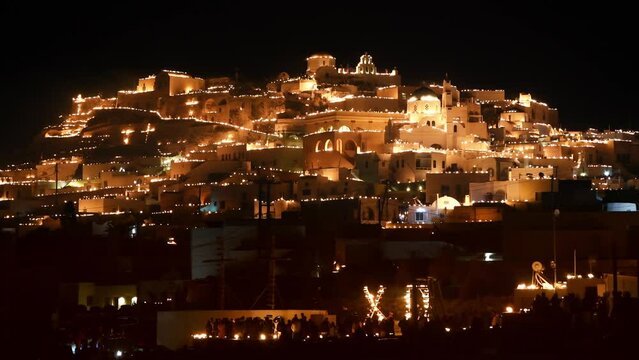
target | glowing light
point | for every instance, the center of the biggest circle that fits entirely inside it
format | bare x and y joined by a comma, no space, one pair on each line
236,337
425,303
591,276
121,301
118,353
509,309
373,302
134,300
199,336
447,329
262,337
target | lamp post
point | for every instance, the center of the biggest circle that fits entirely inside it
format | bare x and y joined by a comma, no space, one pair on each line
555,215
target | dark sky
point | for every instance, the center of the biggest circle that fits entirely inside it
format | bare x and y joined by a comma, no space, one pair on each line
577,59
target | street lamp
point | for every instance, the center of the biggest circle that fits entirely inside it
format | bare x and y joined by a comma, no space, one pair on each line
554,244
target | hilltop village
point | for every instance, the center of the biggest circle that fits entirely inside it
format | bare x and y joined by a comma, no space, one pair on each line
159,193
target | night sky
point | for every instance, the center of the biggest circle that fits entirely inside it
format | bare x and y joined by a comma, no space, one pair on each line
574,62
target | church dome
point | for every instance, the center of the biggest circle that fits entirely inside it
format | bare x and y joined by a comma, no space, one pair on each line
445,202
423,91
320,55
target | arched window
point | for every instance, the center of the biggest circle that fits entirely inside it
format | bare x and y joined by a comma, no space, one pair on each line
318,146
338,144
428,122
344,128
350,146
415,108
328,145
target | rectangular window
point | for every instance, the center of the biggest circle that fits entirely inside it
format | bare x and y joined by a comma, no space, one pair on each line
419,216
434,164
445,190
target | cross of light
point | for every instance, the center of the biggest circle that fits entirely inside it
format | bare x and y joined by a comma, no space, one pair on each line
373,302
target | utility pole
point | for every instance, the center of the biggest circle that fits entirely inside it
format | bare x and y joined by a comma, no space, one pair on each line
554,247
222,274
259,199
615,292
56,182
271,274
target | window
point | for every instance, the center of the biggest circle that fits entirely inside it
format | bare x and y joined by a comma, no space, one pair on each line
434,164
415,108
370,214
455,128
418,163
366,164
419,216
445,190
402,162
328,145
397,164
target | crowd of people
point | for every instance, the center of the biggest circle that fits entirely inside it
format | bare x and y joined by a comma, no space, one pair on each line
268,328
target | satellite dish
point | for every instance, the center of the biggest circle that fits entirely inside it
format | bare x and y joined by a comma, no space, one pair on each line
537,266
